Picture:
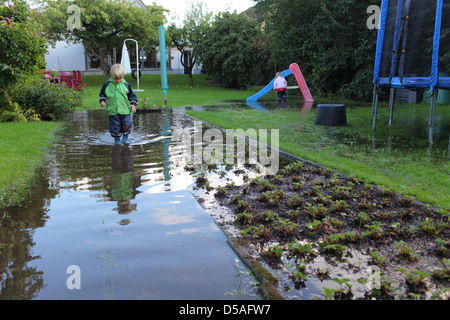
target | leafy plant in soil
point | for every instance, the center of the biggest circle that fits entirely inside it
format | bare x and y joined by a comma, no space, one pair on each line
273,198
433,227
302,250
343,292
313,213
273,252
377,258
244,218
298,275
375,230
406,251
415,280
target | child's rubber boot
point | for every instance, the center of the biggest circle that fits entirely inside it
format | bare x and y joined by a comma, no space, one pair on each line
117,140
125,140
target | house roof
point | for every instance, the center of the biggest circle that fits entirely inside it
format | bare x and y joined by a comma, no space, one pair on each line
140,3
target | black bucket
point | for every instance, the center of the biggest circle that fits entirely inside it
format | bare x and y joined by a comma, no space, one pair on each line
331,115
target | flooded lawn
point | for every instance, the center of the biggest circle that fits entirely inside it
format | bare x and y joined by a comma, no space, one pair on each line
144,222
328,236
117,222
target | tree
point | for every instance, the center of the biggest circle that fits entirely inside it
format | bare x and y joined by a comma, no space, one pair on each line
103,25
21,45
329,39
195,25
235,52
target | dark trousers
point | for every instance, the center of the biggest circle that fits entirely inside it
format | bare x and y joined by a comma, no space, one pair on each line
281,96
120,125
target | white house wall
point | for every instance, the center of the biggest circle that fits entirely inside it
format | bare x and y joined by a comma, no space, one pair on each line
176,65
68,57
65,57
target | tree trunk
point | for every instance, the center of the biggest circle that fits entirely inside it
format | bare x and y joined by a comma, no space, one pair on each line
105,66
189,65
191,80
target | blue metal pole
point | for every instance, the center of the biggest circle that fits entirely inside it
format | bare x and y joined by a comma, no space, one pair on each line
162,54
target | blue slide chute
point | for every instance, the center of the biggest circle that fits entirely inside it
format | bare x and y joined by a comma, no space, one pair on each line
267,88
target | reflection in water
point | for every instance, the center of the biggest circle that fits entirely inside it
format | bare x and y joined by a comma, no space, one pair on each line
166,132
18,280
256,105
124,181
167,247
306,107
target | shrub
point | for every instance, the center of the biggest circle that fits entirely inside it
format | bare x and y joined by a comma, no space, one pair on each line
50,101
22,46
12,112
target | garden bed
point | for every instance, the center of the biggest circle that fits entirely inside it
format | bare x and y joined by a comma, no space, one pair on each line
310,226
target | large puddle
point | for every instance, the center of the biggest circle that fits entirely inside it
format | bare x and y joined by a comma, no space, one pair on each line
115,222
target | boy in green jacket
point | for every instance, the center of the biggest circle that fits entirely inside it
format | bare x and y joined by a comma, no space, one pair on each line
120,101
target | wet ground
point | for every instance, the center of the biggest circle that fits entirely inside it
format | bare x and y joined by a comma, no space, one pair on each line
117,222
143,222
327,236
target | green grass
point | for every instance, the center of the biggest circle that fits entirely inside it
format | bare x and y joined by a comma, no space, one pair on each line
408,169
178,94
400,159
23,147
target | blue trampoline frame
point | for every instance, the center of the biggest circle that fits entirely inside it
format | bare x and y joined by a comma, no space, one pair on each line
432,82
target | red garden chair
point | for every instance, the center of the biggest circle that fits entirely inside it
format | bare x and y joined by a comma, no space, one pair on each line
48,76
76,80
65,77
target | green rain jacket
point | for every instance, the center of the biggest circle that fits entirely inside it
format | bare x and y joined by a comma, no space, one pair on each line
118,97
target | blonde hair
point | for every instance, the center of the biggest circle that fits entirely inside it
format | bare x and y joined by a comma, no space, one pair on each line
278,74
117,71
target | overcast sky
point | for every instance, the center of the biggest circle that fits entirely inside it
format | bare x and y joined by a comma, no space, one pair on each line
178,7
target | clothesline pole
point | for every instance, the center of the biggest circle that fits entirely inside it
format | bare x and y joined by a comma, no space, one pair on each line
137,62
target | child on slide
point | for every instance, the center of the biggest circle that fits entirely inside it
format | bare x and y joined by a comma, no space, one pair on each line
280,85
120,101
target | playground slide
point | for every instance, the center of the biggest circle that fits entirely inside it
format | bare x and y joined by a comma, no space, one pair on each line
293,70
267,88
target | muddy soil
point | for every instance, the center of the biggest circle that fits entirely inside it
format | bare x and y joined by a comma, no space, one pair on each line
310,226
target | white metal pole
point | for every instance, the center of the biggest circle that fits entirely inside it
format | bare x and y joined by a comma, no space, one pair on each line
137,62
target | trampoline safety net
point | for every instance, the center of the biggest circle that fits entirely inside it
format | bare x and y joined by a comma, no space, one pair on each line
413,44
